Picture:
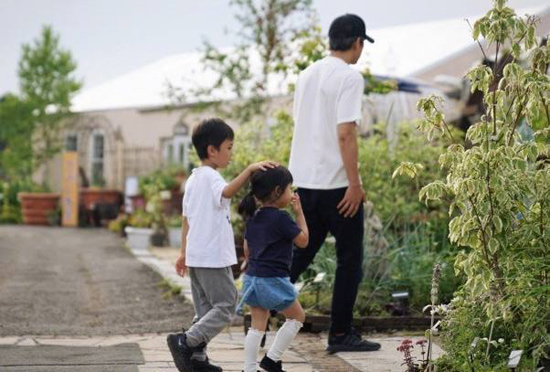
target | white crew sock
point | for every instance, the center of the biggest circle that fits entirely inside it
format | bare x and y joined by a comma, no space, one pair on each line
251,349
284,337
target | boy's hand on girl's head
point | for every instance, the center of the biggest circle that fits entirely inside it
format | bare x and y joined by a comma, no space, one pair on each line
181,269
262,165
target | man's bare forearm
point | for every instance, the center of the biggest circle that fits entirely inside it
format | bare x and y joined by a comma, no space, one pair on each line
347,140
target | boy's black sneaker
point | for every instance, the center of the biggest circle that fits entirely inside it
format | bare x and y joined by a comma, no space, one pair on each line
204,366
181,352
270,365
351,341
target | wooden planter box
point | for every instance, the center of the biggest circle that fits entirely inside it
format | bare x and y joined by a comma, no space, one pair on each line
90,197
35,207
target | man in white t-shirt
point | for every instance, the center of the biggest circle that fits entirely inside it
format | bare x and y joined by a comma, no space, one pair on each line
324,164
208,246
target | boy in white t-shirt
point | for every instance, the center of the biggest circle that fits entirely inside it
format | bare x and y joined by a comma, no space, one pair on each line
208,247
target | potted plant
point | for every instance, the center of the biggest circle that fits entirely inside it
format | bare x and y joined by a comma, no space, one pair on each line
119,224
155,198
139,231
174,230
37,206
169,179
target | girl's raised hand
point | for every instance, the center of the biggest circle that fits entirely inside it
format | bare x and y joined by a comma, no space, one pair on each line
296,204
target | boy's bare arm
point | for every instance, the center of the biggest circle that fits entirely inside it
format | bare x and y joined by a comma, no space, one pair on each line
181,268
234,186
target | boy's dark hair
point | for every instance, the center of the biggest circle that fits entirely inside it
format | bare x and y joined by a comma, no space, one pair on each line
210,132
262,185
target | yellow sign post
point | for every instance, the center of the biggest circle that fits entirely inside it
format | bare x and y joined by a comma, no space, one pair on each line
69,193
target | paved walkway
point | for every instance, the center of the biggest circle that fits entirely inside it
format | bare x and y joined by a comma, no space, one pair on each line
81,282
306,354
307,346
148,351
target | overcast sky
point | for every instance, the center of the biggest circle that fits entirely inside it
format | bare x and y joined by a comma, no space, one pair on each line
111,37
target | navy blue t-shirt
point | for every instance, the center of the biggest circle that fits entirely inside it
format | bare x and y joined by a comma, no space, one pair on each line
269,233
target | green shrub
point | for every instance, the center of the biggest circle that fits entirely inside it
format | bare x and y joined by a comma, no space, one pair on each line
396,199
10,208
140,218
117,225
465,320
407,265
165,178
498,187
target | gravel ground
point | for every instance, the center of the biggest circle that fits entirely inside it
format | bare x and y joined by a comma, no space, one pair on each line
79,282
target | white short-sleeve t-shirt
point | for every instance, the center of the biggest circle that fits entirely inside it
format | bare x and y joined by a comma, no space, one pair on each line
210,241
328,93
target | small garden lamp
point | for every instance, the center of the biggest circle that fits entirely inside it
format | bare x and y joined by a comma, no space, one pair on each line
400,305
513,359
317,283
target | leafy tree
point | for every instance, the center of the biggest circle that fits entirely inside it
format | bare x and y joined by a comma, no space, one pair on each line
47,84
15,131
498,188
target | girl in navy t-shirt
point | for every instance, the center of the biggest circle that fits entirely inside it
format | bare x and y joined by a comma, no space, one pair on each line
269,237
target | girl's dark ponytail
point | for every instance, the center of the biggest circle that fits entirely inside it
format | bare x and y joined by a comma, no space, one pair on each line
263,185
247,206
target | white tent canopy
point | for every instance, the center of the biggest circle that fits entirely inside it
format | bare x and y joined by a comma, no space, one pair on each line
399,51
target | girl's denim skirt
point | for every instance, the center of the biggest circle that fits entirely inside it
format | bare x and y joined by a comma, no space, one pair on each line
268,293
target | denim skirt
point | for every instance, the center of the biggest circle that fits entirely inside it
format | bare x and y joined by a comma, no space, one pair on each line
268,293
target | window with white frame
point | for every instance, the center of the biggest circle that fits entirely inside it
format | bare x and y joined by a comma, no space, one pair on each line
97,159
182,153
71,142
170,152
175,148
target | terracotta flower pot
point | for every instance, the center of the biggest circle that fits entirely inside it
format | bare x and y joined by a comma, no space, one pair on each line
90,197
36,207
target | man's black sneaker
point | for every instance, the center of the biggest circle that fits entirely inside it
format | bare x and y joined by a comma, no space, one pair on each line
270,365
204,366
350,342
181,352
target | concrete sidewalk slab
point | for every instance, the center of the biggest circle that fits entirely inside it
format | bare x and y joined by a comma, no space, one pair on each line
306,353
42,355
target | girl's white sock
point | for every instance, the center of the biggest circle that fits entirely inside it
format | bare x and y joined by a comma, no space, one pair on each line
251,348
284,337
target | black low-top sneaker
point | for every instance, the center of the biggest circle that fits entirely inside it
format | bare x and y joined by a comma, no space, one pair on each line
204,366
350,342
270,365
181,352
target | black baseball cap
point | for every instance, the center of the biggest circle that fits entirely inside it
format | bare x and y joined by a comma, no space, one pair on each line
348,25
